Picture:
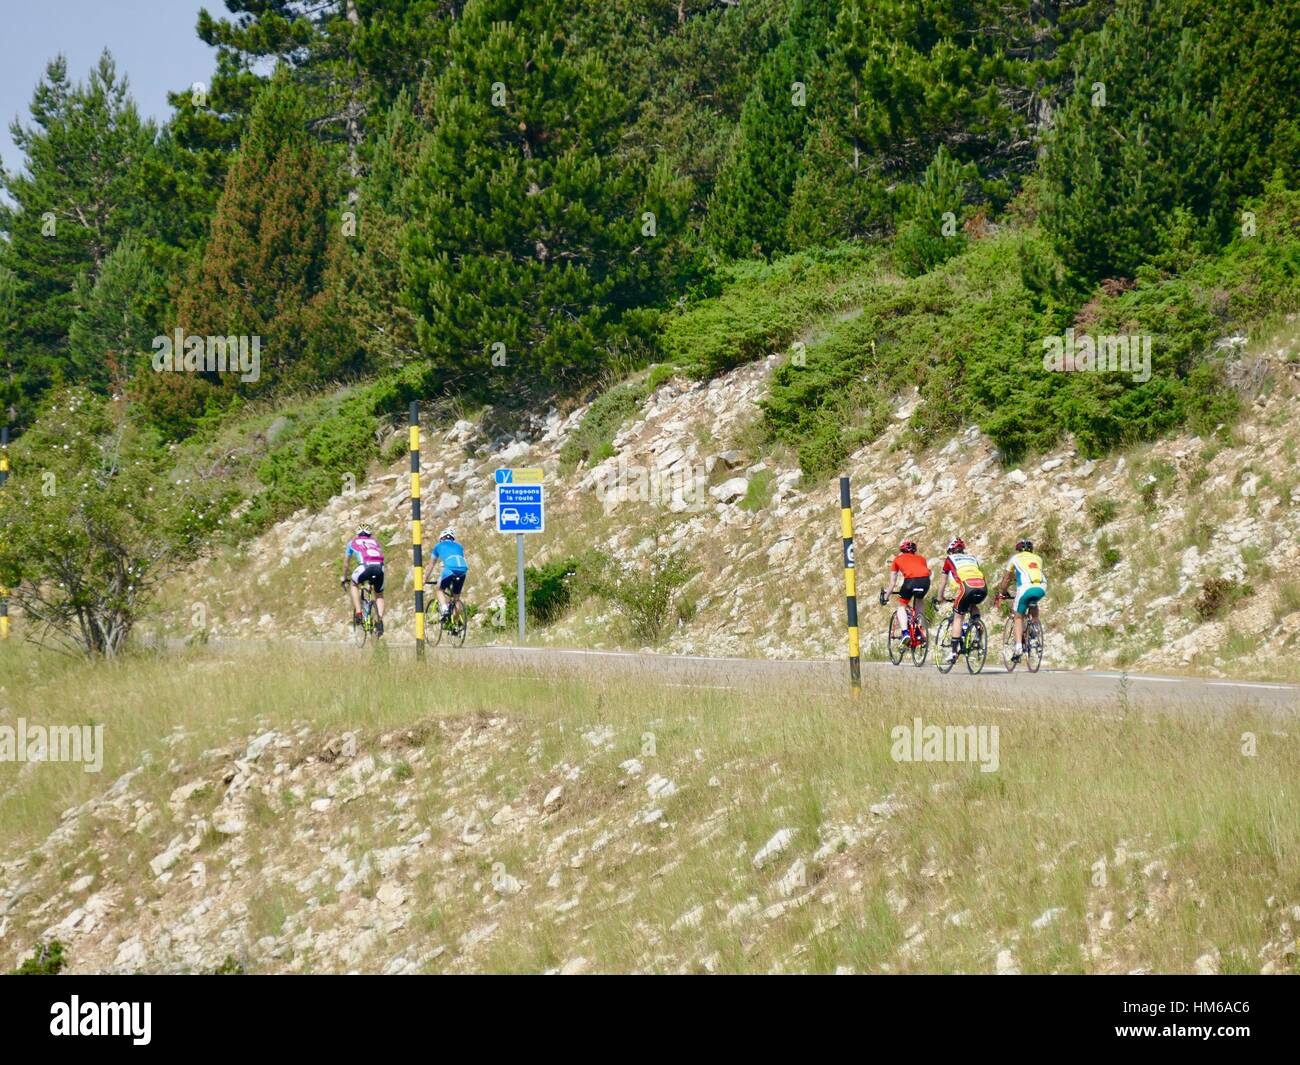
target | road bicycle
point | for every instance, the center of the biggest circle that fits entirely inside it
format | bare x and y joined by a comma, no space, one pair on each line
916,638
1033,649
368,625
455,624
974,641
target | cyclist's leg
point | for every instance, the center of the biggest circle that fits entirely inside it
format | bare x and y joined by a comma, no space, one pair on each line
449,586
354,587
1020,607
377,586
442,596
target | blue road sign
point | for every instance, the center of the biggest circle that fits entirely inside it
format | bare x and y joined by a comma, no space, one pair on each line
520,507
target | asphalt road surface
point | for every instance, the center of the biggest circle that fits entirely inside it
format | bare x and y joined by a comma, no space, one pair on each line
1049,688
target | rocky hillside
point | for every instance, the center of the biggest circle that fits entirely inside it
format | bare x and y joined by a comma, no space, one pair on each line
1176,555
255,815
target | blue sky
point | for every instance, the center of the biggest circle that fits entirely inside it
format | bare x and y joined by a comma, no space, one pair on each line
153,42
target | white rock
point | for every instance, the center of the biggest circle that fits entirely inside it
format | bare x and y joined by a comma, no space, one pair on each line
773,848
730,490
1006,964
795,878
1018,476
1206,965
320,805
552,797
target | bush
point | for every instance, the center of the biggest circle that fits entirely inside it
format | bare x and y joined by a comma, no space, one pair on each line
1102,511
97,523
593,440
307,469
548,590
47,960
648,595
1218,594
1108,554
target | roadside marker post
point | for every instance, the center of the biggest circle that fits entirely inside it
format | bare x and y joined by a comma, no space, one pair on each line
850,584
521,509
4,476
417,532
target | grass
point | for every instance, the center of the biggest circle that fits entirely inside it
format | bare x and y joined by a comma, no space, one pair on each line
1192,835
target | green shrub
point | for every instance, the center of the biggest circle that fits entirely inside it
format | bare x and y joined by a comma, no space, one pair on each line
548,590
47,959
1108,554
593,440
648,594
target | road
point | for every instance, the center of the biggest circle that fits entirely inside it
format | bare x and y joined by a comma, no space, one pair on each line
1075,689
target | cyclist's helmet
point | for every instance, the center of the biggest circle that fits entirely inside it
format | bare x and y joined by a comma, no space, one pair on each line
363,529
447,534
908,547
1024,545
958,544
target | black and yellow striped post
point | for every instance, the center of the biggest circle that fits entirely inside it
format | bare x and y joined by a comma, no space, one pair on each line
4,476
417,532
850,584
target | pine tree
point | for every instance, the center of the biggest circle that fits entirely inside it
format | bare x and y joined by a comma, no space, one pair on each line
1136,141
262,271
69,208
117,316
531,245
747,214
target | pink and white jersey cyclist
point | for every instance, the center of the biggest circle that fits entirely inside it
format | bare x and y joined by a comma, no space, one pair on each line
364,560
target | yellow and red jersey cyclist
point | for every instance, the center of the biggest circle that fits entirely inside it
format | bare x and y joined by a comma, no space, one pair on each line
963,570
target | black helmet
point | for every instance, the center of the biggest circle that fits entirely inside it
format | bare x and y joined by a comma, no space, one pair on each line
1024,545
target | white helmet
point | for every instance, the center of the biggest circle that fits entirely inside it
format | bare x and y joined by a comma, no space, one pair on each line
447,534
363,529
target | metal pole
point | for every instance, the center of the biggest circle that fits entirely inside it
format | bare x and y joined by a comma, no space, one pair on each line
4,476
850,584
519,581
417,533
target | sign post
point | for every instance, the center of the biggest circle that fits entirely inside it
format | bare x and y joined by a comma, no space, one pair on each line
521,509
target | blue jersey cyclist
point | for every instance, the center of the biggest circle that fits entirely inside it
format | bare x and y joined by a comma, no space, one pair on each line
454,568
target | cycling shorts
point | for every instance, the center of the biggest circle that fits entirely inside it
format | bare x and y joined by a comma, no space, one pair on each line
452,583
372,574
1028,596
970,598
913,588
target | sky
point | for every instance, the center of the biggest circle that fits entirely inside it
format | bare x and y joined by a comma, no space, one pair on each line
153,42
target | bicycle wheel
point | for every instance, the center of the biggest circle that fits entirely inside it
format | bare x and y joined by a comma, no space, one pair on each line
458,626
921,649
1033,645
944,639
1009,644
894,636
977,645
360,632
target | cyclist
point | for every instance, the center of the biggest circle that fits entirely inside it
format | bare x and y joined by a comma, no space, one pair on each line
1031,586
364,562
914,572
964,570
454,568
